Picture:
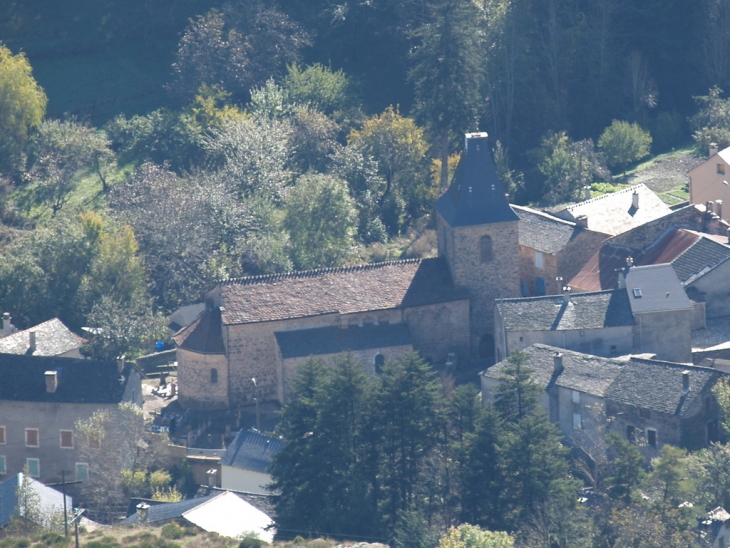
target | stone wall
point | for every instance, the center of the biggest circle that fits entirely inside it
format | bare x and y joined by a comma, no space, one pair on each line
714,290
666,334
608,341
668,427
439,329
577,253
196,389
530,272
485,281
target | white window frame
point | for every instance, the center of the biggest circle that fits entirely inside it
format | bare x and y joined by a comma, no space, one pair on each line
60,440
3,465
38,464
37,437
577,421
76,469
576,396
539,261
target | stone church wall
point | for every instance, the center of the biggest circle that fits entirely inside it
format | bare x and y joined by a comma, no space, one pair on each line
194,380
439,329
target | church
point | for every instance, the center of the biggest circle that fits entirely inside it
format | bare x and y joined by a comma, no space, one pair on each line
255,331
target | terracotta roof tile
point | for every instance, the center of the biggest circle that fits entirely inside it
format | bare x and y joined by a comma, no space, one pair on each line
347,290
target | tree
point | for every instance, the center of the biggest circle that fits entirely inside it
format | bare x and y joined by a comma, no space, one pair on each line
623,143
320,88
471,536
447,73
568,166
236,48
115,445
710,468
321,219
60,149
397,144
517,394
22,106
711,123
408,423
628,468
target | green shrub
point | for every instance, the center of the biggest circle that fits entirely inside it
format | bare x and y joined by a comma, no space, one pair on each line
251,541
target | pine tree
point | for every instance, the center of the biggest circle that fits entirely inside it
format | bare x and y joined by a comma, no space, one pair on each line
517,394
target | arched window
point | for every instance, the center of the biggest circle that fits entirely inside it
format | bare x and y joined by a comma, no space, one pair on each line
213,376
485,246
379,363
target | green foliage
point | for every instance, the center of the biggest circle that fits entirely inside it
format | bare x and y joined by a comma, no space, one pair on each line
471,536
172,531
623,143
320,217
721,392
22,106
251,541
710,470
628,468
667,131
711,123
517,394
319,87
412,530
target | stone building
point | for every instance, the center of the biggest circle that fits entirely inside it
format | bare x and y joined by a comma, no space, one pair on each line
41,398
649,402
263,327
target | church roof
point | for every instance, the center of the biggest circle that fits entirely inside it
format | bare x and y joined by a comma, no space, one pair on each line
204,335
334,340
346,290
476,195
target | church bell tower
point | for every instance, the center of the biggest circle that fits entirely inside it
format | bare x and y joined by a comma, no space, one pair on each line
478,235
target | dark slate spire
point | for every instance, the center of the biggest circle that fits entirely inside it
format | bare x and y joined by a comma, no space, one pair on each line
476,195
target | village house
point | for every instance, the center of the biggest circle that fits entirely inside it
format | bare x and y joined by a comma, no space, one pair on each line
41,398
245,465
50,338
649,313
648,402
263,327
708,182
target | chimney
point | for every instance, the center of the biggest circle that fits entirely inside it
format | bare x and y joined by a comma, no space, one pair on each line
718,208
558,363
709,205
566,294
635,200
142,509
120,364
713,149
685,381
51,381
582,221
587,192
5,322
31,340
212,473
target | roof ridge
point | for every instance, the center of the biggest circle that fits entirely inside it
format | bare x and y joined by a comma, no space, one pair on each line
677,365
547,216
264,278
556,296
603,196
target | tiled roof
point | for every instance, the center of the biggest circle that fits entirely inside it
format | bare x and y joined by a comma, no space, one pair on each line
204,335
614,213
691,254
251,451
543,232
552,313
51,339
657,385
476,194
581,372
380,286
333,340
22,378
169,510
655,288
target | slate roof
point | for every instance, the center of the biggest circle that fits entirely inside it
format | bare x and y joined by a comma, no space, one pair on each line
658,288
690,253
657,385
333,340
22,378
380,286
476,195
49,500
614,213
552,313
251,451
168,510
581,372
542,231
52,338
204,335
